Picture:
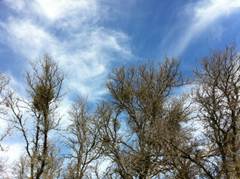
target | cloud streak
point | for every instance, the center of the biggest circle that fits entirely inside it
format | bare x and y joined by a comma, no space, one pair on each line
203,14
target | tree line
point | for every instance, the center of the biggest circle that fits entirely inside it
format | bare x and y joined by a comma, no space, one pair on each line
145,128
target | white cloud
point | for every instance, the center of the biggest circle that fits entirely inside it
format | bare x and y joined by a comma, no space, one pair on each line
63,14
57,9
203,14
84,54
10,157
12,152
28,38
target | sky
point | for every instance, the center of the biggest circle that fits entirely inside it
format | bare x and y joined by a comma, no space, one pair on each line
88,38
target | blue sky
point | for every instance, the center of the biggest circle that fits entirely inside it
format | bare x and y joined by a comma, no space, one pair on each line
90,37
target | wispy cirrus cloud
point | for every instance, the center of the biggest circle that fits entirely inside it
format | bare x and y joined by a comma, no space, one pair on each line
55,10
198,16
69,31
27,38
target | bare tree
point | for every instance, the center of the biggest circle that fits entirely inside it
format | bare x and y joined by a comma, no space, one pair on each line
3,85
20,169
36,118
5,131
111,140
219,102
52,171
142,97
55,164
83,140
